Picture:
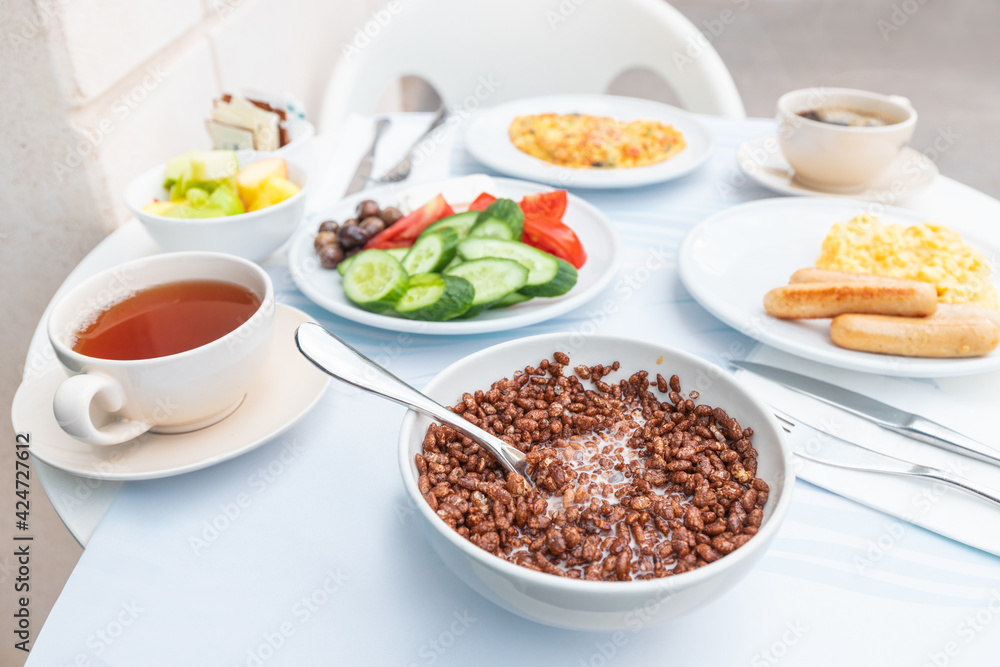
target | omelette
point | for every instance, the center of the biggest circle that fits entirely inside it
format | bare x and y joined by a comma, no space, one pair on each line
581,141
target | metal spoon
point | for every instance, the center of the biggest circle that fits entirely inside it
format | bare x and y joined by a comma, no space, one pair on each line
336,358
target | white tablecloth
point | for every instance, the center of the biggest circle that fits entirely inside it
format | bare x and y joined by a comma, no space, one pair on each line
323,561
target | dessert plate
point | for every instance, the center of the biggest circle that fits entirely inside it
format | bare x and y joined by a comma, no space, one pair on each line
286,388
731,259
598,236
911,172
488,140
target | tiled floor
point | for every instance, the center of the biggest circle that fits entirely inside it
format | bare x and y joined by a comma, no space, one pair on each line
943,56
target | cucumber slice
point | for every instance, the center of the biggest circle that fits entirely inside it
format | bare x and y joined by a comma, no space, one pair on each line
460,222
492,228
511,299
506,212
430,253
547,275
346,262
493,278
375,280
563,281
435,298
397,253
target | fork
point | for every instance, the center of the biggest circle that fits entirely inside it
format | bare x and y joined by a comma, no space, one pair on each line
853,456
403,168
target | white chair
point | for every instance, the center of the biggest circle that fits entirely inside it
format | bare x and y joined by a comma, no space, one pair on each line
512,49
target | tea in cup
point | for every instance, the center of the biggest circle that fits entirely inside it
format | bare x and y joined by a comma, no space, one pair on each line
840,139
168,343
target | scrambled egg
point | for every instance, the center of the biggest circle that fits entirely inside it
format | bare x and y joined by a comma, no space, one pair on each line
594,142
928,252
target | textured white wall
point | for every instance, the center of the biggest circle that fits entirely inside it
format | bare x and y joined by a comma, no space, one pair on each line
91,93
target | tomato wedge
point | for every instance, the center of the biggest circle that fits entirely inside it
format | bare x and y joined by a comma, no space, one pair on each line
407,229
555,238
482,201
549,205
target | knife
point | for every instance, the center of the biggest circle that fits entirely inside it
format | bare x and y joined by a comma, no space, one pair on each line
819,446
364,170
902,422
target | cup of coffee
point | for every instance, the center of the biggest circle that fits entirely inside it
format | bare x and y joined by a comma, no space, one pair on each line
839,139
168,343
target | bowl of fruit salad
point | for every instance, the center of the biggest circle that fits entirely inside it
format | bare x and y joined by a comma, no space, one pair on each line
220,201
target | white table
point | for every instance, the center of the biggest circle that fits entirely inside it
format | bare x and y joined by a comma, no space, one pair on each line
280,586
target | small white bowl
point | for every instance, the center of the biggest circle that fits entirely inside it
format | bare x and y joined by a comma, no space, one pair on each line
600,605
253,235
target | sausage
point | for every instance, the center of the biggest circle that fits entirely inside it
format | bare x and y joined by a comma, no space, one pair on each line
968,310
814,275
916,336
813,300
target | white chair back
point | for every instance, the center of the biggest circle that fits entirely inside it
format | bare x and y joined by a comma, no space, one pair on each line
485,52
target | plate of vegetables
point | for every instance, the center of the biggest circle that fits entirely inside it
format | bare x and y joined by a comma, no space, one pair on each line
468,255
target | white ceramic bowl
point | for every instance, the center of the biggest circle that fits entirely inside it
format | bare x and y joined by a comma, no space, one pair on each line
253,235
597,605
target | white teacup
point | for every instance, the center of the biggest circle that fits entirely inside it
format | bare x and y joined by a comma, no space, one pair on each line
842,158
108,401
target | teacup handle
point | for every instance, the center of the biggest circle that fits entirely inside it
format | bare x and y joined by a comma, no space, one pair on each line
71,406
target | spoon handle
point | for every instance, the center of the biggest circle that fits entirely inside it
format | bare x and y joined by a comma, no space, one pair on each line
336,358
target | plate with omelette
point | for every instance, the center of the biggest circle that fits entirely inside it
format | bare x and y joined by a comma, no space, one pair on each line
737,260
589,141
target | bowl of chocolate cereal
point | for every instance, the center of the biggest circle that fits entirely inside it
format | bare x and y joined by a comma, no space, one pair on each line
657,480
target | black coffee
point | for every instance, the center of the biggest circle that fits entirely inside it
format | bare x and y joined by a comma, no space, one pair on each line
846,117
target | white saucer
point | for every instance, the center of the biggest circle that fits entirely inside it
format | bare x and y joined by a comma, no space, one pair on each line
287,387
911,172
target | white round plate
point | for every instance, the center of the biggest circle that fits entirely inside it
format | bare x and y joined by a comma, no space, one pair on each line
488,140
911,172
286,388
598,237
731,259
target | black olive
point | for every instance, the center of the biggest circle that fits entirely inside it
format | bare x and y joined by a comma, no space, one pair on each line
367,208
352,237
390,215
324,239
328,226
331,255
349,222
372,225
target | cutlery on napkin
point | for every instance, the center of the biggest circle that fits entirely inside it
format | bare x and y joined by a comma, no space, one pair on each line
816,445
902,422
360,178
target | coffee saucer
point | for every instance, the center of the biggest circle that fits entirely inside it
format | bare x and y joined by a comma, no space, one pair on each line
911,172
285,390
